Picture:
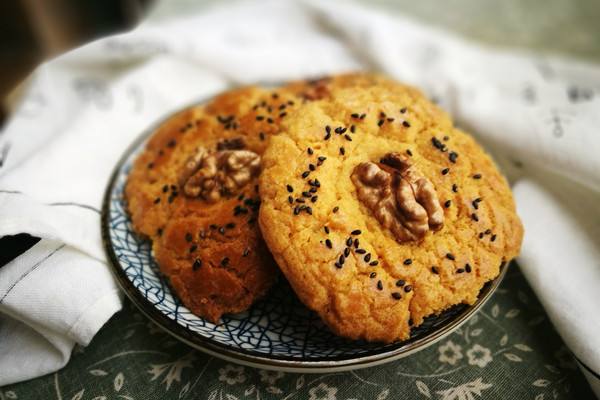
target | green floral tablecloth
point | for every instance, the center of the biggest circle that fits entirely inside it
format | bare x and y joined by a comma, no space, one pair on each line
508,350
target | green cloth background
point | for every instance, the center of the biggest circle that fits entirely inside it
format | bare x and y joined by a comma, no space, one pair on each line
508,350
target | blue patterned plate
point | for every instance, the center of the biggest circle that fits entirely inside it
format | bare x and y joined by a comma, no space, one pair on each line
278,332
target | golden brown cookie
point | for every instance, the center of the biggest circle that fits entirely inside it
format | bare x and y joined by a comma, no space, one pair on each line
193,192
380,212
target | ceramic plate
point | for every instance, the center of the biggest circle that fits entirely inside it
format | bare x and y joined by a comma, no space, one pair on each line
278,332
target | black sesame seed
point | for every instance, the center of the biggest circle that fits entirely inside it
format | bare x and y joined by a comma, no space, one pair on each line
309,210
410,322
165,188
474,217
475,204
326,229
356,243
446,138
360,251
296,210
409,152
172,143
290,199
493,238
213,226
307,194
313,190
403,110
437,144
468,267
314,199
356,232
305,174
225,261
460,270
193,248
311,167
390,120
197,264
450,256
327,136
367,258
338,130
327,129
171,199
309,151
349,241
447,203
321,158
289,188
374,263
434,270
159,231
328,243
283,114
222,230
352,128
372,275
481,235
335,209
406,124
342,151
270,120
188,237
379,285
400,282
261,135
380,122
445,171
381,114
452,156
396,295
230,225
260,117
407,288
488,231
454,188
408,261
246,252
346,252
347,137
157,200
477,176
354,115
341,259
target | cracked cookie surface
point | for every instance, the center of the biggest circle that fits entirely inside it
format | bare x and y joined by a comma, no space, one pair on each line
340,256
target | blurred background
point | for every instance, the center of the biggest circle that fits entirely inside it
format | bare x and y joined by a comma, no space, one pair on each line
33,31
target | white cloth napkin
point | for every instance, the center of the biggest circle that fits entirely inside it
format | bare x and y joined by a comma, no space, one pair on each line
538,116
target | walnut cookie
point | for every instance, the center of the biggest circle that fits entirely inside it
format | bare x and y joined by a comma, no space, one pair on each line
193,192
380,212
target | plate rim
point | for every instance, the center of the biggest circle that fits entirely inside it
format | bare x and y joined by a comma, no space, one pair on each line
248,357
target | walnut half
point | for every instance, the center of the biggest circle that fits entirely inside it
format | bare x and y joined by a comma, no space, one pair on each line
400,198
215,174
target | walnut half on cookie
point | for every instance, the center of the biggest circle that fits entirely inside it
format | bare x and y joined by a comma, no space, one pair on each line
399,197
211,175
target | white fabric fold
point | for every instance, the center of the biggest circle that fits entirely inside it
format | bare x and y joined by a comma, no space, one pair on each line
537,115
